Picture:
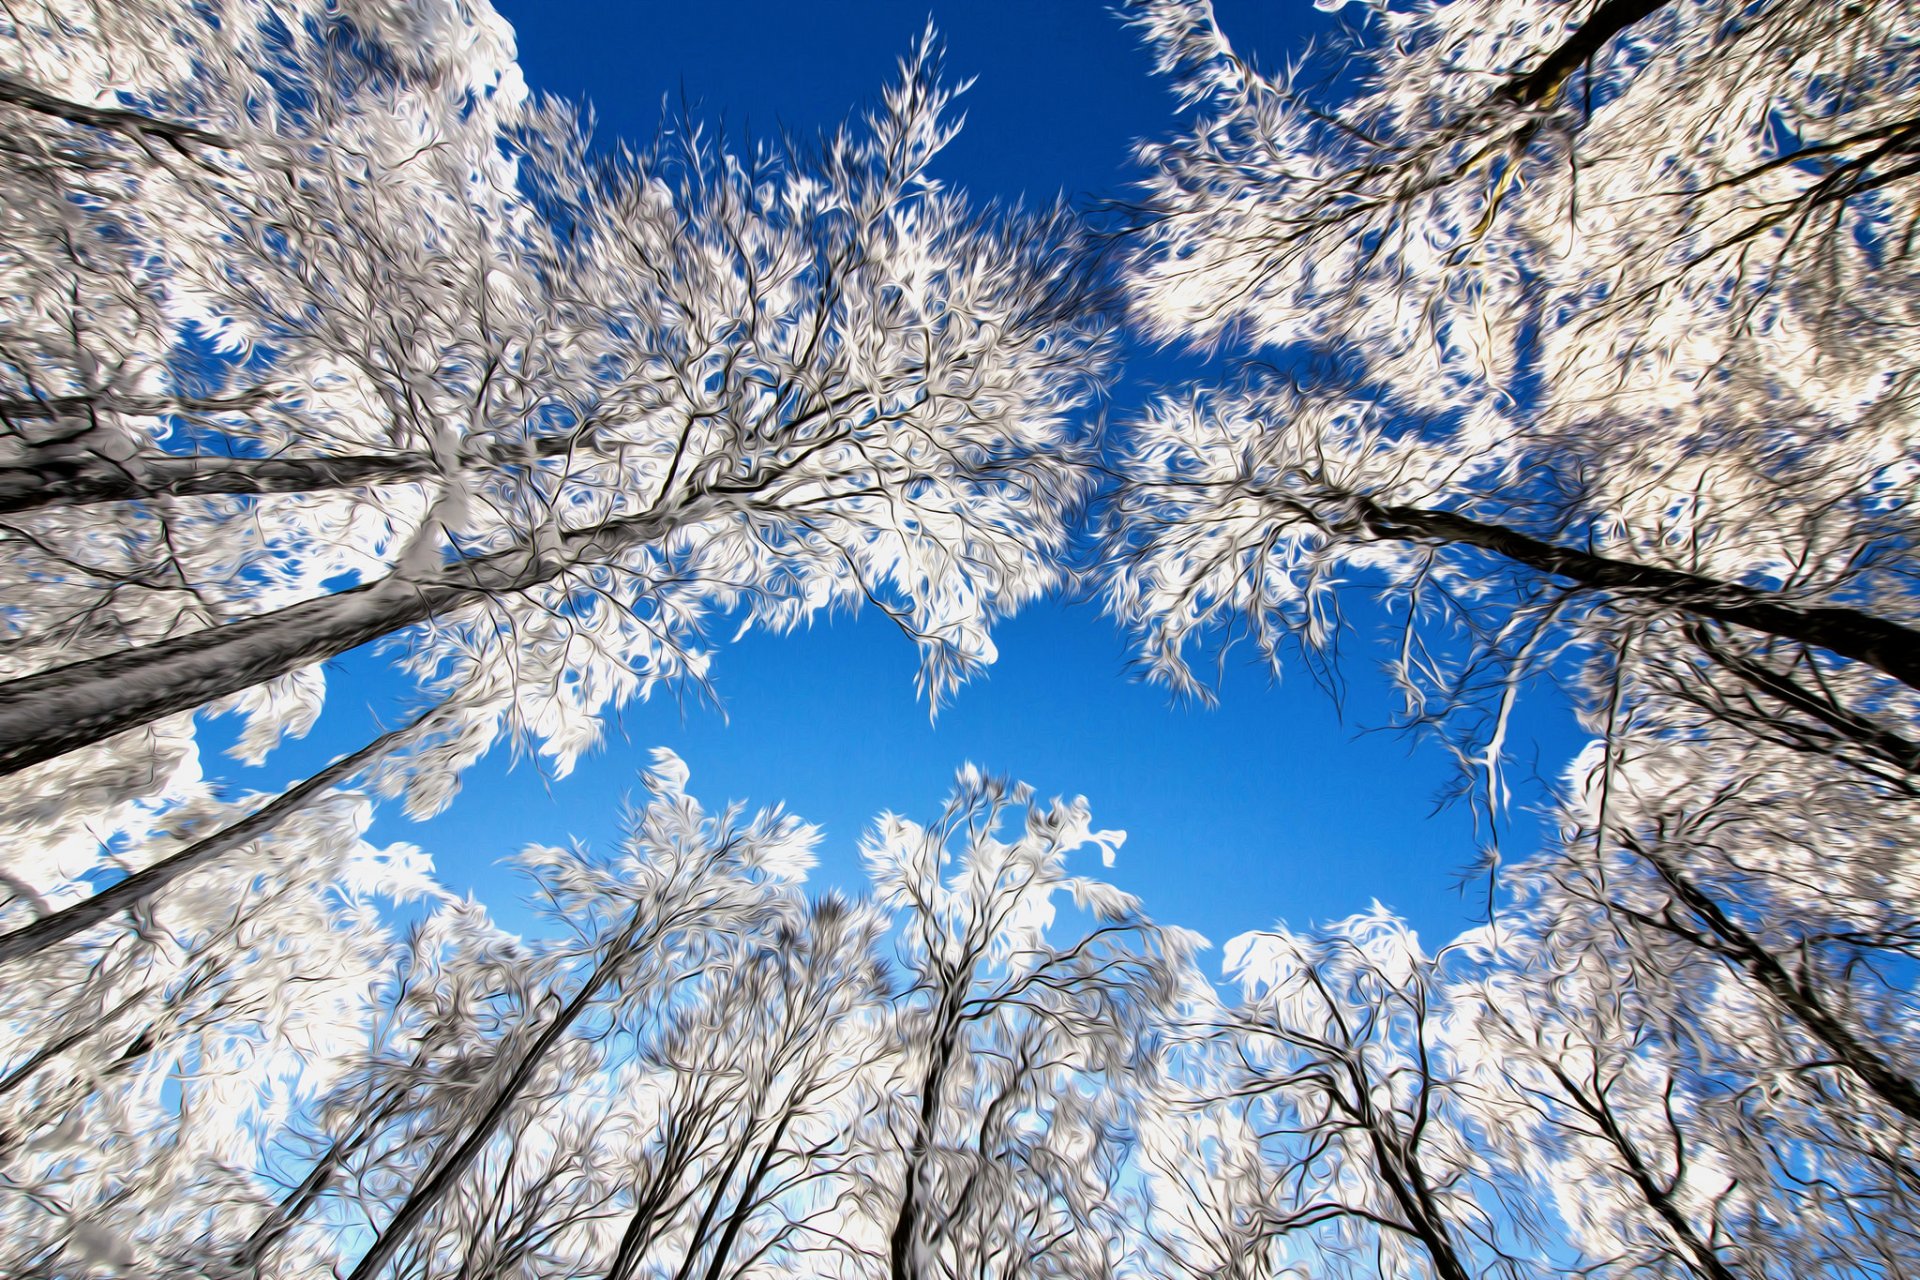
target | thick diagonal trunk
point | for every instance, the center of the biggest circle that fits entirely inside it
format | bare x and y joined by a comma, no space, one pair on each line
42,477
1607,20
78,480
50,713
1887,647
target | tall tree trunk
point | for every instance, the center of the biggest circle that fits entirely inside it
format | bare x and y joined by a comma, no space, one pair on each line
902,1240
1407,1182
44,477
443,1172
743,1206
326,1171
1887,647
651,1208
1705,1261
717,1192
46,715
17,93
143,884
1857,1055
76,480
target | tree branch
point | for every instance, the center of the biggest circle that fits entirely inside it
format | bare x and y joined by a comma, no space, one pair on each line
1887,647
114,119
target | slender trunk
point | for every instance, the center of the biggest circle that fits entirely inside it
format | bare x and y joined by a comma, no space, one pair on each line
648,1210
718,1191
47,1053
325,1171
1408,1184
1858,729
744,1205
1857,1055
143,884
114,119
1706,1262
1887,647
50,713
443,1173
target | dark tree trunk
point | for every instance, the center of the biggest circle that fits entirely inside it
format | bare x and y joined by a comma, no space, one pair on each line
1867,1063
443,1172
1887,647
86,479
143,884
1607,20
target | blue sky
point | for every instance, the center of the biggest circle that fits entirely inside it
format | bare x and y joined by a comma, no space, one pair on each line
1274,804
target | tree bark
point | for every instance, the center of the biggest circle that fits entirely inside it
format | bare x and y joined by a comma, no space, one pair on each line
1887,647
744,1206
1850,1051
76,480
50,713
902,1239
45,478
143,884
1706,1262
1607,20
113,119
1849,725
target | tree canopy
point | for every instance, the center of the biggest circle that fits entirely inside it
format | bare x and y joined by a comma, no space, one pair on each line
1571,336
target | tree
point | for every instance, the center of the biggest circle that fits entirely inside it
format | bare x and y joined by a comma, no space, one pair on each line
145,1073
1331,1074
630,390
1021,1057
632,393
1577,1091
688,882
1591,318
1745,904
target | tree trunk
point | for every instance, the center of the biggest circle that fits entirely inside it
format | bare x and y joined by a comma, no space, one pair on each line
1857,1055
1887,647
1408,1184
443,1173
76,480
744,1206
46,478
113,119
50,713
906,1223
1705,1261
1609,19
143,884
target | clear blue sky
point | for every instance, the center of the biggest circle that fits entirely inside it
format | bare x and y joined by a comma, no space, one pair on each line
1269,806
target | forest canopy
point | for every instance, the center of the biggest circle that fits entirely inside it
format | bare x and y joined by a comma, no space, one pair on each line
1563,353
